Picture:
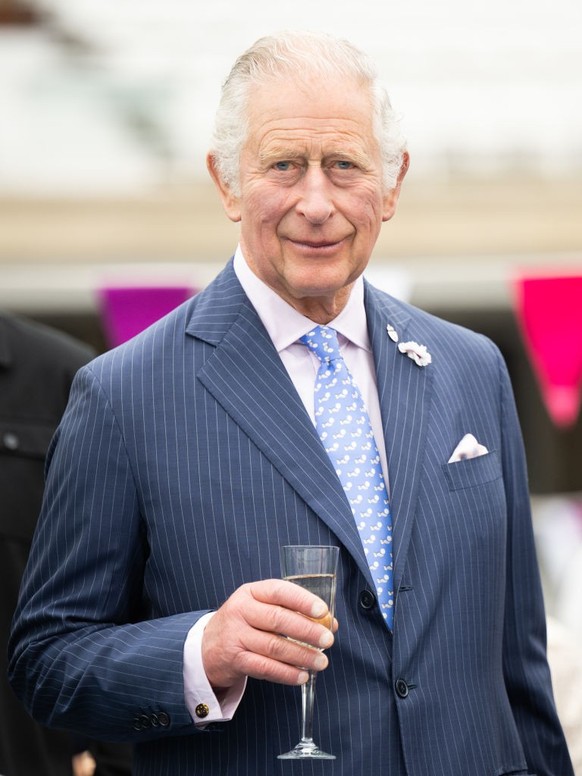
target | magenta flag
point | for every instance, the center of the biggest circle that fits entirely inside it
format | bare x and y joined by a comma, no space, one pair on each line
127,310
549,311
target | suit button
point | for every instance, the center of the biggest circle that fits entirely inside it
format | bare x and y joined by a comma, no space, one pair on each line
402,688
163,719
202,710
11,441
367,600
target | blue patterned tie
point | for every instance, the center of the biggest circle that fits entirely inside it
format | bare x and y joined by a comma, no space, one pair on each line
344,427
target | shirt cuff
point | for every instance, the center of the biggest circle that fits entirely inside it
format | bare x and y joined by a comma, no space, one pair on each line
200,698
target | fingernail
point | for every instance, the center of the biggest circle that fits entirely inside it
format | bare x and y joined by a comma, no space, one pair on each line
303,677
326,640
320,663
318,610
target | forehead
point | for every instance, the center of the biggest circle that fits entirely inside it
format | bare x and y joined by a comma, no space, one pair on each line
300,112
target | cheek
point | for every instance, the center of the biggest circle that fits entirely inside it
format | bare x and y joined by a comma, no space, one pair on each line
265,205
367,226
364,210
259,223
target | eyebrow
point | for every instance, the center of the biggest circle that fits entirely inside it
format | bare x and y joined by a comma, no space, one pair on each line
285,153
281,152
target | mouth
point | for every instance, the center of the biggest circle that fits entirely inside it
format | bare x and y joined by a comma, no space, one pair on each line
316,246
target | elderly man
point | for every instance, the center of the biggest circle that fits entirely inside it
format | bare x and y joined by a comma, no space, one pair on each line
293,403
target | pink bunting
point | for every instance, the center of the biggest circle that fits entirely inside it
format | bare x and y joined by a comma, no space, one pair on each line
127,310
549,311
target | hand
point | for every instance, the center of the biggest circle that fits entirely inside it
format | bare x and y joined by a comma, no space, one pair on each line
246,636
83,764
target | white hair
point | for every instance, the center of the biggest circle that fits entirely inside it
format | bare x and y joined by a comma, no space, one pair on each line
288,54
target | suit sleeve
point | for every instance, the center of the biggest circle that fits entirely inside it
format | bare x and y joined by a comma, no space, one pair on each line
525,664
86,651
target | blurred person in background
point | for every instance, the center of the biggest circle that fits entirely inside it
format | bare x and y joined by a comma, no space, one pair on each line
37,366
190,454
565,658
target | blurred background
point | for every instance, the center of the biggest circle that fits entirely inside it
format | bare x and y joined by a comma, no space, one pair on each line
106,110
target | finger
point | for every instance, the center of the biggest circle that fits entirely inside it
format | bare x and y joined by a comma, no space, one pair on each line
271,619
288,595
303,629
273,656
275,647
277,610
261,667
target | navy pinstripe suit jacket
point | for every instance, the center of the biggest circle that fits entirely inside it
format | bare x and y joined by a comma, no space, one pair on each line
184,461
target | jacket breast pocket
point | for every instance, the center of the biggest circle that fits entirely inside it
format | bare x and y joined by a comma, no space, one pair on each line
473,471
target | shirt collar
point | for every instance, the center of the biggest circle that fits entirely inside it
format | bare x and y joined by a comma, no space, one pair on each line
285,325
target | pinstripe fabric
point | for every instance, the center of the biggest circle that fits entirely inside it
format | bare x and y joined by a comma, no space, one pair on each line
186,458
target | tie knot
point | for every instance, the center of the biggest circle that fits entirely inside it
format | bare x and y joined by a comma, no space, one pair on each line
322,340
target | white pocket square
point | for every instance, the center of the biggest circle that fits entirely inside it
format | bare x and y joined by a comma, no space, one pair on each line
468,447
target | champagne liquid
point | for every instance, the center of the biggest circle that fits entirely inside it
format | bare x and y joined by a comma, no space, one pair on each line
321,585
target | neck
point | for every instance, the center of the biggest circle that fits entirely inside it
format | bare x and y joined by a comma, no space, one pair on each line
322,310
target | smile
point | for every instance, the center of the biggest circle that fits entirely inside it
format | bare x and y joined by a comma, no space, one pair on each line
318,246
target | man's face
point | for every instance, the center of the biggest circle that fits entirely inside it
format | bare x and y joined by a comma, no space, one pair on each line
311,198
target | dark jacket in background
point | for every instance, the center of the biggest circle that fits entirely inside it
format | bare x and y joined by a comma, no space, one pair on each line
37,365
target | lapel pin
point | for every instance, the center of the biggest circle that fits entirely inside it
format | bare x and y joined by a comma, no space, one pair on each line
392,333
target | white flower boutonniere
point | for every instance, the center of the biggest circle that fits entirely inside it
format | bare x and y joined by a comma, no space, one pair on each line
418,353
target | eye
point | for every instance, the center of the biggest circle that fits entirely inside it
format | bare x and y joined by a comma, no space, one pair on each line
283,166
343,164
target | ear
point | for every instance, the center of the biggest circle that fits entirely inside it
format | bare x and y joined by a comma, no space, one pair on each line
230,202
391,196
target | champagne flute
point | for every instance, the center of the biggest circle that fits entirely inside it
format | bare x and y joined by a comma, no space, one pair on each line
314,568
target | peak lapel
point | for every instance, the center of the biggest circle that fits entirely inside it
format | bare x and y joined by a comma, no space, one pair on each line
246,376
405,391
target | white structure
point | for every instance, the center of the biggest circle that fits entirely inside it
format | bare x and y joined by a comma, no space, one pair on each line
130,103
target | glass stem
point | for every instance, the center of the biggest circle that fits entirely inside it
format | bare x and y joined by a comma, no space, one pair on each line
307,701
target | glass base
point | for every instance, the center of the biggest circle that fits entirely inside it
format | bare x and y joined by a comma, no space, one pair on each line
306,750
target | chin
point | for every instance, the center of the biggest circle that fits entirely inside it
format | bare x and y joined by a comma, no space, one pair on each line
317,289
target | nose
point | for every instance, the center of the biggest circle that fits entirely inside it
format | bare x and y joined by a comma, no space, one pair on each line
315,202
